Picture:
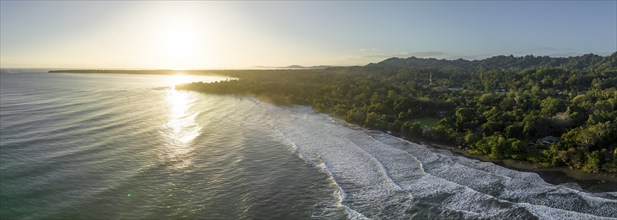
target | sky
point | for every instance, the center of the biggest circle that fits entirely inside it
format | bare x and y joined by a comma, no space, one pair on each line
245,34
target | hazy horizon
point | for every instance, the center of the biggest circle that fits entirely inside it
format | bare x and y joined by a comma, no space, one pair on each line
260,67
241,35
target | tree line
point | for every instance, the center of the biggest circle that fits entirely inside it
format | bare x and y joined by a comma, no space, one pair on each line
550,111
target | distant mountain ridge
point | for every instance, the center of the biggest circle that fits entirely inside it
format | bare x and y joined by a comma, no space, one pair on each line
583,62
587,62
294,67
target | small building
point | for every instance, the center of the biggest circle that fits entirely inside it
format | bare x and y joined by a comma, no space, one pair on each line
499,91
548,140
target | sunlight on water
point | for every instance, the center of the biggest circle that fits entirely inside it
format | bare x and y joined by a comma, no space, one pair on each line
138,153
181,128
178,79
182,120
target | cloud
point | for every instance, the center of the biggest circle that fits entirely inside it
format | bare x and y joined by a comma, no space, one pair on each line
369,49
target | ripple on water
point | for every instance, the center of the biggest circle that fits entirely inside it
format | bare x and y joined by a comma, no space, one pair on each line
117,147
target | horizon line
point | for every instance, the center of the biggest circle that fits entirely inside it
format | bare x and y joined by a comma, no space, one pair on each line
320,66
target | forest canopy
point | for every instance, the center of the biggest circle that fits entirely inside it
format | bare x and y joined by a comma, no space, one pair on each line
550,111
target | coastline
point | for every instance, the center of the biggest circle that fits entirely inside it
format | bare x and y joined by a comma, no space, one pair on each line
592,182
144,72
589,182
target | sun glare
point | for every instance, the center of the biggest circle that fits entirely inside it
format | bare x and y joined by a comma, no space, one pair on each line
177,79
181,129
178,41
180,44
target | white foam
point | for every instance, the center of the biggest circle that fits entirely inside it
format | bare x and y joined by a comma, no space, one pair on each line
381,176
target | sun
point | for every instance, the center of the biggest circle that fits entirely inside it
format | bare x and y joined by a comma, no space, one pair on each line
178,42
180,45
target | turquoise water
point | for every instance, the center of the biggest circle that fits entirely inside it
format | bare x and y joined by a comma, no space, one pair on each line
118,146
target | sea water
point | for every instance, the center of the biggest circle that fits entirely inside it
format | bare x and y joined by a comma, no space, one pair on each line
122,146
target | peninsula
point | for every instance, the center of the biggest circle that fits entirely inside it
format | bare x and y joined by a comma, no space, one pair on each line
545,110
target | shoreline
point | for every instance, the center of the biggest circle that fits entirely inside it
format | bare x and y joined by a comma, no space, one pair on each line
217,72
588,182
138,72
591,182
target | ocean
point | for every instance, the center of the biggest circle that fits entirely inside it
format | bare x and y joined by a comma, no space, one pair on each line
129,146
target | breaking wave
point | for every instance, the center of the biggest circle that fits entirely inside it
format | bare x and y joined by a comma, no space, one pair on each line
385,177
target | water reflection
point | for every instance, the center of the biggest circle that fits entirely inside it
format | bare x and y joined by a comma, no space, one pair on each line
181,128
181,120
177,79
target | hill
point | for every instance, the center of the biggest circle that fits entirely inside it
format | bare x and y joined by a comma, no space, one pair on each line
549,111
584,62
